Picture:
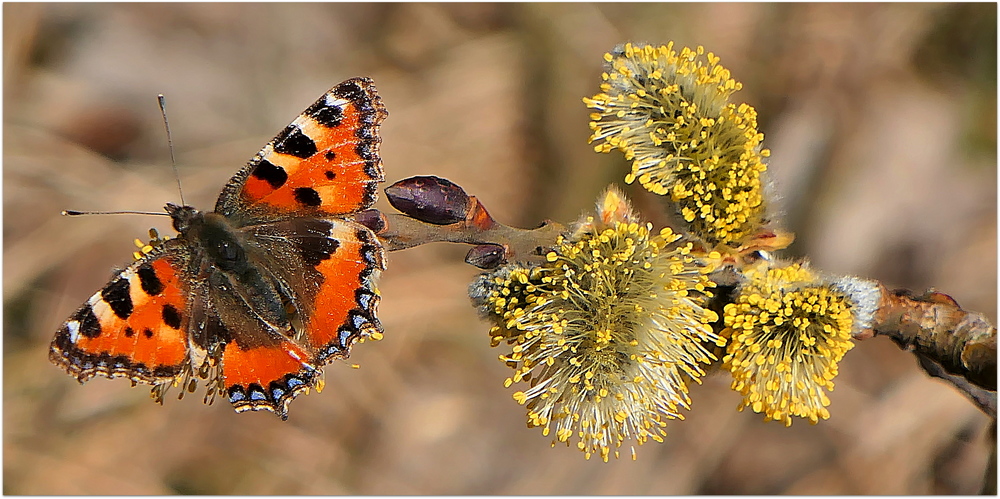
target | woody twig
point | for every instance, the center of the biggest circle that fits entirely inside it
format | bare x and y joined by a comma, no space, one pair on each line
950,343
434,209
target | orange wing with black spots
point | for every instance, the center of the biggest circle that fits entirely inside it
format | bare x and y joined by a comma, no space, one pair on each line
266,377
326,162
329,268
257,296
347,301
135,327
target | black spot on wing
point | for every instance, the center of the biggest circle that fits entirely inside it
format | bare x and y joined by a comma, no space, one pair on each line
370,252
313,241
326,115
330,175
293,142
116,294
89,325
371,194
129,332
147,332
349,91
274,175
319,249
330,156
308,196
171,316
148,280
61,343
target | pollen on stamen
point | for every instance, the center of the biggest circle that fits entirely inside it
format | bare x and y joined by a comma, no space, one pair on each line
146,247
669,113
320,384
606,332
788,329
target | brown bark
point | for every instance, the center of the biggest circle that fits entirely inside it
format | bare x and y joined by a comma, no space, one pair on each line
953,344
934,325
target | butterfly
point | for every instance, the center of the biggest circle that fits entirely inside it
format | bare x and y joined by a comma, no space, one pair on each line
257,295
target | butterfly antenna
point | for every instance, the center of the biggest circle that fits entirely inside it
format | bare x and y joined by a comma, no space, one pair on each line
170,144
75,213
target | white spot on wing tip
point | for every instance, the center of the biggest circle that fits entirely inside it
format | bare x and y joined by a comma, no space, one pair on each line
74,330
332,100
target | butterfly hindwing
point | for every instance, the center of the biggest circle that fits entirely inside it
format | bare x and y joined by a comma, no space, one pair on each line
135,326
265,376
330,267
348,294
326,162
321,273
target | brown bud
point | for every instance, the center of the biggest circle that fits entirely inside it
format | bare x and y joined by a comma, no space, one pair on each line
373,219
486,256
430,199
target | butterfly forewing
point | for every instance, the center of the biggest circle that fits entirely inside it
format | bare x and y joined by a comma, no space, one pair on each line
326,162
135,326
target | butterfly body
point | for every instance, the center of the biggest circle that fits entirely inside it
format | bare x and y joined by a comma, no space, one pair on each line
259,294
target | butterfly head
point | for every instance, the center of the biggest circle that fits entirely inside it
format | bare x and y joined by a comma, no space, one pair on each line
182,216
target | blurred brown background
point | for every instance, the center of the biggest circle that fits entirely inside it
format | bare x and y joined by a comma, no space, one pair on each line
882,124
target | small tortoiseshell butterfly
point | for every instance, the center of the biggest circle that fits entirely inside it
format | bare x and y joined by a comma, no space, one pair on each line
259,294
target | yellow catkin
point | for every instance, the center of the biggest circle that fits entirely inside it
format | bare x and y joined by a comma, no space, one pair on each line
615,326
788,330
668,111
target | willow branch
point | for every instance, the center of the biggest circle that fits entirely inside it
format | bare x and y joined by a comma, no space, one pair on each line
934,325
953,344
436,210
986,400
